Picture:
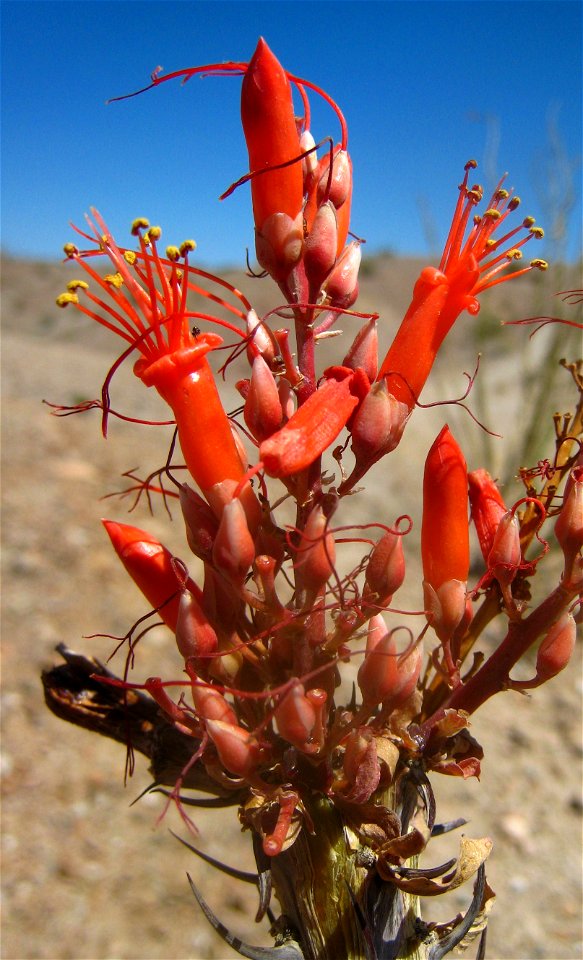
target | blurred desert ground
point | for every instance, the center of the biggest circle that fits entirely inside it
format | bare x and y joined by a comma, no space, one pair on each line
84,874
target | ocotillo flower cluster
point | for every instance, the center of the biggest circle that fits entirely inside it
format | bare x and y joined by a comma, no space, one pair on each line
335,792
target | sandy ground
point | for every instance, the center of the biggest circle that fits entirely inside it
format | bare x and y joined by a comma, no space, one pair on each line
85,875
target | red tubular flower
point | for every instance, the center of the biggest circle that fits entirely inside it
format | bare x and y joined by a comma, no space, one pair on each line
149,564
468,266
313,427
444,533
271,133
149,312
487,508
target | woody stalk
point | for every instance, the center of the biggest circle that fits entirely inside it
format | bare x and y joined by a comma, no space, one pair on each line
333,789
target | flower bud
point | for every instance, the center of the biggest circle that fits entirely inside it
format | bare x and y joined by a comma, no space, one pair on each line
569,525
200,522
361,765
337,187
260,339
316,552
505,556
377,426
195,637
238,749
341,287
385,570
487,508
262,410
296,718
210,704
233,549
444,532
363,353
553,654
445,607
378,676
320,247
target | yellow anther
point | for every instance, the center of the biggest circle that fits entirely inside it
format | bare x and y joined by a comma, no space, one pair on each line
539,264
140,223
179,275
155,233
115,279
173,253
491,242
514,203
493,214
514,254
528,222
70,249
537,232
475,194
501,194
64,299
77,285
187,246
130,257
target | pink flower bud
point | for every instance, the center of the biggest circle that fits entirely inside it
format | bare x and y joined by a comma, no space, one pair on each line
310,162
238,749
320,247
505,556
341,287
378,675
445,606
337,187
569,525
279,244
210,704
553,654
200,522
487,508
296,718
377,426
233,549
363,353
316,552
385,570
195,637
409,667
262,411
260,339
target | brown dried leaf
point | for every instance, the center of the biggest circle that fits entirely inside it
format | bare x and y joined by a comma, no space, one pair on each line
472,854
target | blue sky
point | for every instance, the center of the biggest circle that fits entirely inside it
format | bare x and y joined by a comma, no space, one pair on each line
424,86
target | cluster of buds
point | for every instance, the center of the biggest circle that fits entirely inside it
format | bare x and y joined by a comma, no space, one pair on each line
264,617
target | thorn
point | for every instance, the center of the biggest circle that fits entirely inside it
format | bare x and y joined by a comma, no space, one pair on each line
447,943
242,875
369,949
264,877
287,951
440,828
207,802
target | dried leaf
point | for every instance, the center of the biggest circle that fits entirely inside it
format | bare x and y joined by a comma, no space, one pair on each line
472,854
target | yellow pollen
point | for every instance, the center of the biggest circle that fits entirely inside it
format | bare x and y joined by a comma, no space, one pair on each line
537,232
115,279
493,214
140,223
491,242
501,194
528,222
64,299
130,257
475,194
539,264
187,246
69,249
77,285
514,254
173,253
155,233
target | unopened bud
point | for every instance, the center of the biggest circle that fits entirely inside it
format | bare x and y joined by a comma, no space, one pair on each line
553,654
445,607
210,704
487,508
195,637
260,339
363,353
385,570
296,718
378,676
310,162
279,244
200,521
569,525
238,749
337,187
377,426
505,556
341,287
262,411
233,549
316,552
320,247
